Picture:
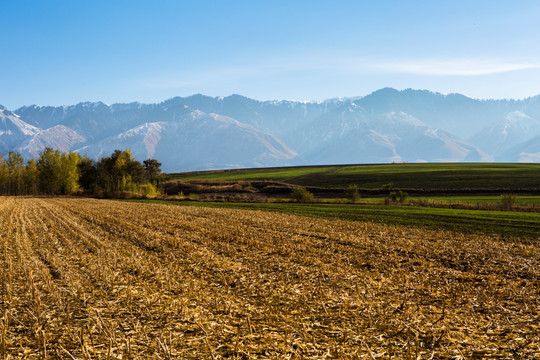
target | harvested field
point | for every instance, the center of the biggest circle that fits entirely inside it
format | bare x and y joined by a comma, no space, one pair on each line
94,279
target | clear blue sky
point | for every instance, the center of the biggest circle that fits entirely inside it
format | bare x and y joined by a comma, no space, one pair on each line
62,52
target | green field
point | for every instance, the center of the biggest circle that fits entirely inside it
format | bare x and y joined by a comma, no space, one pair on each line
468,200
430,177
473,200
465,183
506,224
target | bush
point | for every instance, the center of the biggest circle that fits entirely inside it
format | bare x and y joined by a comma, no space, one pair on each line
508,201
149,190
352,193
398,196
300,194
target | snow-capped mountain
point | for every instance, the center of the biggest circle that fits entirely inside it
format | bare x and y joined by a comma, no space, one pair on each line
13,130
198,140
57,137
515,128
201,132
352,132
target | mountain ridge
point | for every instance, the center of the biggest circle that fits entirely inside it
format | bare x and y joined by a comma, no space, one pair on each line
384,126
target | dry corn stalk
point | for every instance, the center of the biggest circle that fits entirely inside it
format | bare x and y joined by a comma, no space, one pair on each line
91,279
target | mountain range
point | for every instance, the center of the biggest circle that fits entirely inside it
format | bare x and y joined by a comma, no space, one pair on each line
201,132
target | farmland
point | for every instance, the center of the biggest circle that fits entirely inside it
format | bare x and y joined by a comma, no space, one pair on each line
95,279
522,225
441,177
463,185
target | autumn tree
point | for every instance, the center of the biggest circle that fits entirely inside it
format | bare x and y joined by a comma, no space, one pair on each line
87,173
57,173
152,169
31,178
69,172
4,174
119,172
49,171
15,164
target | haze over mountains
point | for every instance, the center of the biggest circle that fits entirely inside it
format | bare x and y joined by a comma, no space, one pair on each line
201,132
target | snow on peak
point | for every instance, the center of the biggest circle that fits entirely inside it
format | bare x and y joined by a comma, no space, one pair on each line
58,137
516,116
518,122
401,116
26,129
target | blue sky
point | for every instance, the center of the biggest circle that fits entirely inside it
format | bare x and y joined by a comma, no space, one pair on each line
63,52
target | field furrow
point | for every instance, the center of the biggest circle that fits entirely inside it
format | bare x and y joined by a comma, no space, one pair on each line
94,279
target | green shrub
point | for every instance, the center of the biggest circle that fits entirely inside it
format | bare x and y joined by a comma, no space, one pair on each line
300,194
352,193
398,196
508,201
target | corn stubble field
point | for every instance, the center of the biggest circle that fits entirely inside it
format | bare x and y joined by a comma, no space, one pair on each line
94,279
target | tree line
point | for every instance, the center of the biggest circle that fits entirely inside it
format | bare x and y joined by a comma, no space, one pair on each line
63,173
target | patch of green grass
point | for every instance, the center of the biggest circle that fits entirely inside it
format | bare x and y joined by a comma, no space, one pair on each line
275,174
521,200
505,224
471,200
433,176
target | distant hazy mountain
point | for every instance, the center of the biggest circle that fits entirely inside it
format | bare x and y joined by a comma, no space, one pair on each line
515,128
455,113
352,133
198,140
527,151
200,132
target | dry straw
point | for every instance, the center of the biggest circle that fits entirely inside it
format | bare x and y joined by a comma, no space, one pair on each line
91,279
